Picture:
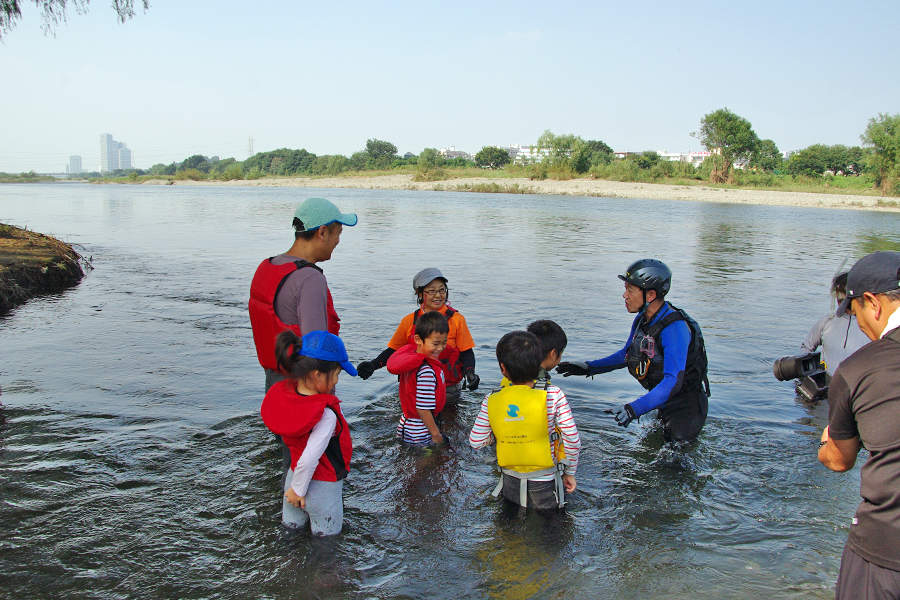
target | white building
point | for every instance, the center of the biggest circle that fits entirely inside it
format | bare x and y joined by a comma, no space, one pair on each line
75,165
451,153
113,155
525,155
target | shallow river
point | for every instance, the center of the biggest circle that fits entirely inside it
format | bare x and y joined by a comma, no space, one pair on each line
133,462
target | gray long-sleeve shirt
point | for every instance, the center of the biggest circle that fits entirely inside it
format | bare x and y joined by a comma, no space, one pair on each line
839,337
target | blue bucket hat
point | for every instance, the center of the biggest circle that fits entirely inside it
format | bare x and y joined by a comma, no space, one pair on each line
326,346
315,212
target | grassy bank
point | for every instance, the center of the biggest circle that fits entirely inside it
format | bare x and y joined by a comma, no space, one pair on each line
33,264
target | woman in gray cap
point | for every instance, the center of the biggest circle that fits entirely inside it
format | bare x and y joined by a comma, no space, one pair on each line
458,358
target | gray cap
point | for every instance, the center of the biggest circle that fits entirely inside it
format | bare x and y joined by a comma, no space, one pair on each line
876,273
426,276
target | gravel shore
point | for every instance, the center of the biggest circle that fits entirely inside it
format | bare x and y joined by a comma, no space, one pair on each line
573,187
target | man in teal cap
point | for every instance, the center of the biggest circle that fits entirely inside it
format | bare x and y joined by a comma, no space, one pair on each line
289,291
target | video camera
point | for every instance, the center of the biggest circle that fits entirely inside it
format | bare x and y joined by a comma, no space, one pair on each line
813,384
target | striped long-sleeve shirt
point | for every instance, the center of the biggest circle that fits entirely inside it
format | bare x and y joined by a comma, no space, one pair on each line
559,415
413,431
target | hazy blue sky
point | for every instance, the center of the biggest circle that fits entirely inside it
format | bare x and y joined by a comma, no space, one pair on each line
194,77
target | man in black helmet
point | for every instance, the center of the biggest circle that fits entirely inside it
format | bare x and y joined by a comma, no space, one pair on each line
664,352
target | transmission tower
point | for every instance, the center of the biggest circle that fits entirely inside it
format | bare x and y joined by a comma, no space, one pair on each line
250,146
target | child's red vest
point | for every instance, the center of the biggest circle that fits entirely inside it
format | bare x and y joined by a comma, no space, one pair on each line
266,325
449,357
405,362
292,416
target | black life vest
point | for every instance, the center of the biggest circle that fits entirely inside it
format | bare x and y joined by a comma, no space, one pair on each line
644,356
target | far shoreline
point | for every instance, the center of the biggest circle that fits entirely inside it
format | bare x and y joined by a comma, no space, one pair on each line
573,187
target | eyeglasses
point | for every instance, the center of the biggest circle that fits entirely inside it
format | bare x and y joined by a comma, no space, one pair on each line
436,292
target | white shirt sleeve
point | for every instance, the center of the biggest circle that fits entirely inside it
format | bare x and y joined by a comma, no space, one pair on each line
315,447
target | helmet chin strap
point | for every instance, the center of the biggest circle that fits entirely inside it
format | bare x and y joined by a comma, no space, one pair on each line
644,306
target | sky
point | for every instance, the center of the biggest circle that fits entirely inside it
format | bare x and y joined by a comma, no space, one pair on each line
198,77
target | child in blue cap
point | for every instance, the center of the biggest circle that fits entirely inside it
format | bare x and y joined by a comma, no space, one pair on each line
304,412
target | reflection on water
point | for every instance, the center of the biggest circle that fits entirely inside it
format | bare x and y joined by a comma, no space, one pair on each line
133,462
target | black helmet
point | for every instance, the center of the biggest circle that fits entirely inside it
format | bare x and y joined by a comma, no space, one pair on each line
649,274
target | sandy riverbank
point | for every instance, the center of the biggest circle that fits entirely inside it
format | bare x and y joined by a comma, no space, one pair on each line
573,187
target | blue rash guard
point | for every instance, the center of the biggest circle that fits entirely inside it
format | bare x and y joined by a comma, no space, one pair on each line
675,340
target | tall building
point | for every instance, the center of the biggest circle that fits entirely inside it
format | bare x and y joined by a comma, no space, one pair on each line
124,156
109,153
113,155
75,164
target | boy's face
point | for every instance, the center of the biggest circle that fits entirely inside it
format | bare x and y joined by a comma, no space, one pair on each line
431,346
551,361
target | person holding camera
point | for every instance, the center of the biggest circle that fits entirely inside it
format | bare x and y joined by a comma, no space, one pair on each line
665,352
864,409
839,337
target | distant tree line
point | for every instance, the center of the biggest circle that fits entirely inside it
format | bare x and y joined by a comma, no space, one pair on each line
729,138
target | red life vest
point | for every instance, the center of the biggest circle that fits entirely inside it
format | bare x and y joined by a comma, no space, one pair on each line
266,325
449,357
405,362
292,415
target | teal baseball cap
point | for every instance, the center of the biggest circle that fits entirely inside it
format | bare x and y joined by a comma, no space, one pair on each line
315,212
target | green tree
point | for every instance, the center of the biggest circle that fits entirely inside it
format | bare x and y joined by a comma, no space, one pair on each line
54,12
558,149
492,157
380,154
430,158
766,157
811,161
197,162
727,135
882,135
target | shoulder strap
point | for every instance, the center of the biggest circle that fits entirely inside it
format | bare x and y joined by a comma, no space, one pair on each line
675,315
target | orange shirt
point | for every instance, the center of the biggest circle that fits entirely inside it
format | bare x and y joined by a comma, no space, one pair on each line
459,336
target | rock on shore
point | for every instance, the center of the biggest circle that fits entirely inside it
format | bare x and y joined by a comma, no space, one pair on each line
32,264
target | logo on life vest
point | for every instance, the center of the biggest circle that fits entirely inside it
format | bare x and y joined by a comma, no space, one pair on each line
512,410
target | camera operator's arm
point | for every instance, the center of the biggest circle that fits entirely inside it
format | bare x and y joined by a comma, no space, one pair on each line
814,337
838,455
840,440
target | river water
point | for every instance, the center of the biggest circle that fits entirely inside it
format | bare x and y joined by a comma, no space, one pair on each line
133,462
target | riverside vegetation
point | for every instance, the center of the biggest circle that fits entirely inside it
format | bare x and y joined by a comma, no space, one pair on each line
870,169
32,264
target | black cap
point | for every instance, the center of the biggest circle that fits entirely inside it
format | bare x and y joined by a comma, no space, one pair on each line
876,273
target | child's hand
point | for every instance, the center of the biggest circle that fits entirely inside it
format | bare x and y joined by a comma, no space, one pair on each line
569,483
437,438
294,499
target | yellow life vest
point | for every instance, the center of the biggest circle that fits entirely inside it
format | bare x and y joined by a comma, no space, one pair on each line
559,450
518,418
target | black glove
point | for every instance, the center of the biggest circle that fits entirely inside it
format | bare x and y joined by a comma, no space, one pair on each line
365,369
624,415
567,369
472,381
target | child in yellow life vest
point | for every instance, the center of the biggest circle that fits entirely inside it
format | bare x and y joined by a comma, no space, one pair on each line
529,423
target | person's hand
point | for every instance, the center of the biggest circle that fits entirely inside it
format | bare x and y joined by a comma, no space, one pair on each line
567,369
472,380
437,438
365,369
623,415
569,483
295,500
